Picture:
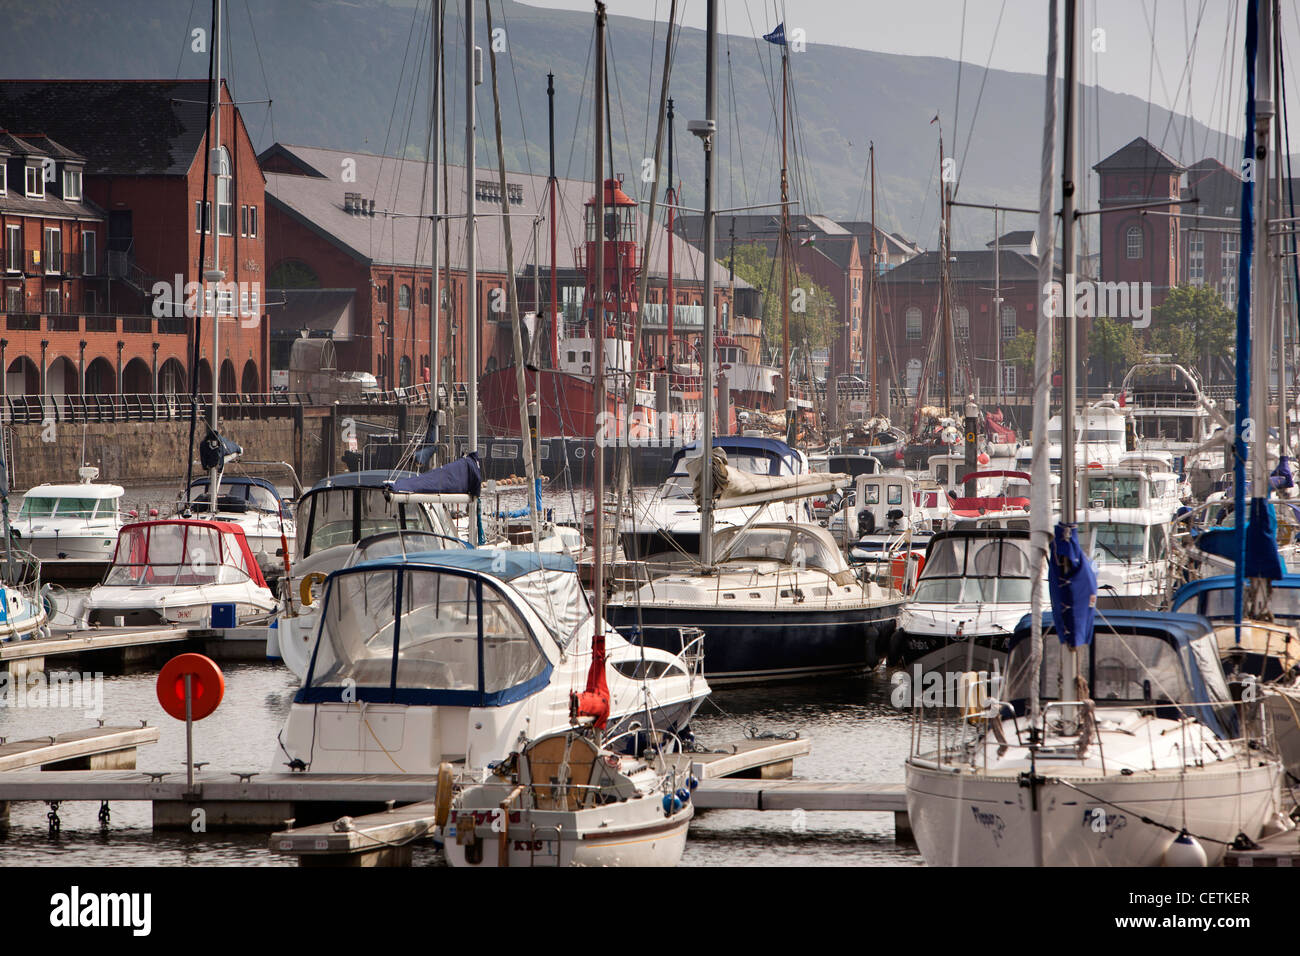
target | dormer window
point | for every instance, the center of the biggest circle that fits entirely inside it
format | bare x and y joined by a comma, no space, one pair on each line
72,184
4,178
35,182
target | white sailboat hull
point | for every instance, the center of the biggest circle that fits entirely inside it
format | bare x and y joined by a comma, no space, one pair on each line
965,819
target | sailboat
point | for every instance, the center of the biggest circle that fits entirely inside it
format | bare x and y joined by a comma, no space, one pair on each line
1140,760
23,610
776,601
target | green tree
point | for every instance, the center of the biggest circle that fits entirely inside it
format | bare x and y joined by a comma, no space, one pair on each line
814,316
1020,353
1194,326
1113,347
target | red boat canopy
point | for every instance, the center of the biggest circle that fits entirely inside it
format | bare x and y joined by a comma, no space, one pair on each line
175,541
994,474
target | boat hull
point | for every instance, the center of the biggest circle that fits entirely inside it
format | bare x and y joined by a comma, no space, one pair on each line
752,646
964,819
638,835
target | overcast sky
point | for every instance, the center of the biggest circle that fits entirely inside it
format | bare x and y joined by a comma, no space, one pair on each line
1182,54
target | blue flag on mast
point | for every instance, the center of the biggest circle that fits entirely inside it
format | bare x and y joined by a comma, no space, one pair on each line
777,36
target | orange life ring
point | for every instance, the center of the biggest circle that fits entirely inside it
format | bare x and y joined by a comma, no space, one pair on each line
898,571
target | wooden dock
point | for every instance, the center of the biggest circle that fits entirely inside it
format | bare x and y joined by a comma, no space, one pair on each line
97,748
125,645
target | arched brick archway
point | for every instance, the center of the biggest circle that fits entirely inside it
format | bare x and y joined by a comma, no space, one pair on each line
101,377
250,383
23,377
172,379
227,377
62,377
137,377
205,377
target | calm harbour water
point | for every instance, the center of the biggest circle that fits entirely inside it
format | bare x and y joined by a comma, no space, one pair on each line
856,735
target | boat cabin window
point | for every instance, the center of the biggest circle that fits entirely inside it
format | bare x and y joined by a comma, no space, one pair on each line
175,555
453,633
975,569
332,518
895,495
41,507
873,494
1114,491
1218,603
1166,427
786,545
1128,668
1113,542
232,496
941,474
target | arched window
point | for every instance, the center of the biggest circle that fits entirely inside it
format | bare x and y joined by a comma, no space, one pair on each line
961,323
1133,241
404,297
912,319
225,216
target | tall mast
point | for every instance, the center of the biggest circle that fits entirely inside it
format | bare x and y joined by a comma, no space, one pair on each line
997,299
471,267
551,185
670,198
1261,330
872,362
785,245
435,292
945,299
598,326
215,275
706,131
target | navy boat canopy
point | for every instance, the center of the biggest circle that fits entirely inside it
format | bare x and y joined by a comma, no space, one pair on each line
360,479
775,450
506,565
1141,658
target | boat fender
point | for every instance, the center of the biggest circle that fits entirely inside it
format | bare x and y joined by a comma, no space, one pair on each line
882,643
683,795
692,781
1184,850
872,635
672,804
896,647
306,587
442,804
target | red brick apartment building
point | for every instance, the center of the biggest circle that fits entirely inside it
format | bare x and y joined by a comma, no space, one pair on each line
100,213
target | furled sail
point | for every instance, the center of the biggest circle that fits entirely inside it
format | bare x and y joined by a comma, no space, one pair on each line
734,488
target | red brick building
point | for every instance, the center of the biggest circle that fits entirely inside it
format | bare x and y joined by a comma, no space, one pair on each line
349,257
141,146
1137,247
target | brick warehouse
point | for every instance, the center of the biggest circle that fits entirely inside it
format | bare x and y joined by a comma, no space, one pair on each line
139,146
349,259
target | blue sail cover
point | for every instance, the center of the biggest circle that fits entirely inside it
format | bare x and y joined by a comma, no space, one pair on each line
1073,586
1282,476
1262,558
460,477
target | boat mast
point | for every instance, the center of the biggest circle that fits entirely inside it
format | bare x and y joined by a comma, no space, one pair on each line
670,198
1261,333
598,330
872,362
705,131
551,185
945,298
435,293
785,235
1070,654
215,275
997,299
472,67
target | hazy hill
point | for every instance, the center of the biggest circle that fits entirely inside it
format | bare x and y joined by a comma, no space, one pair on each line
351,74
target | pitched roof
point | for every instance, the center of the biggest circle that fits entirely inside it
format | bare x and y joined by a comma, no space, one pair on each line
1140,154
398,233
969,265
122,127
1018,237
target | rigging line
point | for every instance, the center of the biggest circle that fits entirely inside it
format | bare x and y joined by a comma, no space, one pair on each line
185,43
979,98
1186,77
961,59
622,114
519,100
578,111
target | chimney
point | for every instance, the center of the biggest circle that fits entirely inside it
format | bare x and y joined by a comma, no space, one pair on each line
347,203
372,207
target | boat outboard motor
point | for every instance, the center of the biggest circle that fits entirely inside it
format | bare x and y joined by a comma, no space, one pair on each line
866,522
895,516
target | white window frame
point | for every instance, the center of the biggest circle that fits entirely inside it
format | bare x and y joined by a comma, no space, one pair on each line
34,174
1008,323
54,296
14,250
225,208
1130,234
252,222
53,257
961,323
1196,258
202,211
1008,377
14,294
912,330
71,175
4,179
